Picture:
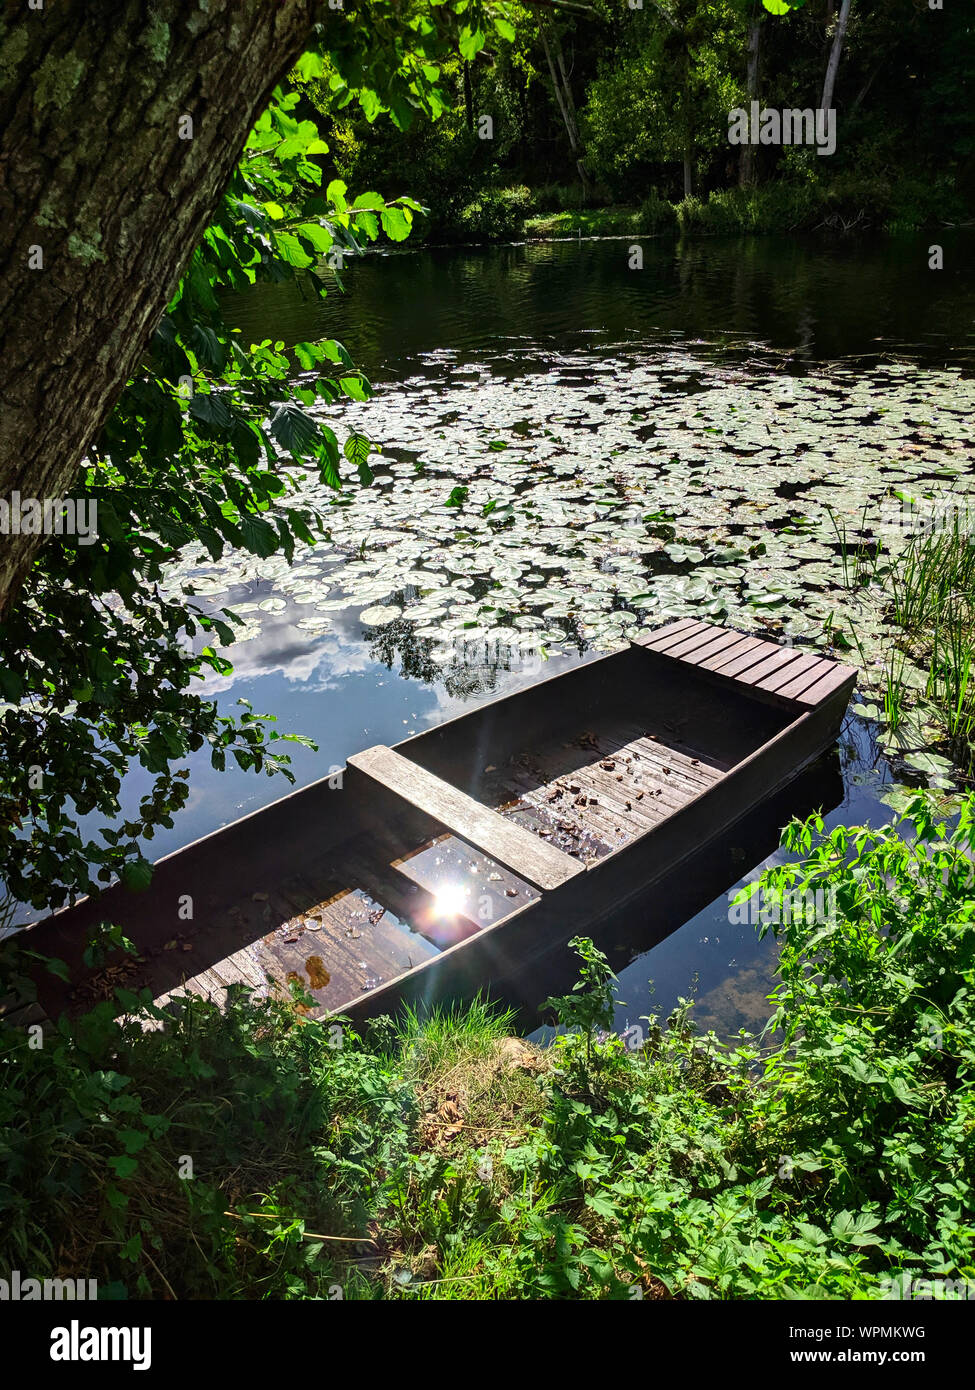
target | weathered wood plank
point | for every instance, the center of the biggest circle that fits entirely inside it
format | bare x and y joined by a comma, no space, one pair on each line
741,648
826,686
653,639
782,656
710,650
698,643
674,639
810,662
531,858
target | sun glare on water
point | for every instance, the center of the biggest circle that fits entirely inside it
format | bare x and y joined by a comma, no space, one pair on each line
449,900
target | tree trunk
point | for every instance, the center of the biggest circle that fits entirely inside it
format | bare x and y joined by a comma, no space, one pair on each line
468,99
563,95
688,128
836,52
746,168
106,198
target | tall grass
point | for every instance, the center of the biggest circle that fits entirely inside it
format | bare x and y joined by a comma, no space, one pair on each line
933,578
932,598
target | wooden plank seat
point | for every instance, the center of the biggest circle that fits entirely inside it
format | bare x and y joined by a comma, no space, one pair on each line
790,673
515,848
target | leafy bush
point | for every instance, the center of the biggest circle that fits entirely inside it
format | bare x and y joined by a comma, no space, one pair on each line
832,1157
495,213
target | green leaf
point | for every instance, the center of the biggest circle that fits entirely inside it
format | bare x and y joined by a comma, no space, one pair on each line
396,224
211,409
295,431
123,1165
136,875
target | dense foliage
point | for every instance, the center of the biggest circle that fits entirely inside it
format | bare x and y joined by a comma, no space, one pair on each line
649,88
256,1155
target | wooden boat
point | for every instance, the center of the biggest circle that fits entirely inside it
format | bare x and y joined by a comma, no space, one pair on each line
445,864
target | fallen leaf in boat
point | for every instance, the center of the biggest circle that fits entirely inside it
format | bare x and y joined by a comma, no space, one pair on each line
608,765
317,973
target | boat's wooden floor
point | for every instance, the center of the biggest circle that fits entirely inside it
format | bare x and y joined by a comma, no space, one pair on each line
342,942
587,797
603,789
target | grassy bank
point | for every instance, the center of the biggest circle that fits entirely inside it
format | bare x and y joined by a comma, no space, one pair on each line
843,204
255,1155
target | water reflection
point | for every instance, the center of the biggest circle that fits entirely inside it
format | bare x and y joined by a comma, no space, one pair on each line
814,300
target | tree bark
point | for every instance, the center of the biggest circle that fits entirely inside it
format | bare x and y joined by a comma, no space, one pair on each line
105,196
836,52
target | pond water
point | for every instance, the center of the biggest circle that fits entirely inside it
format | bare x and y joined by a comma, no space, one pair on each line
630,446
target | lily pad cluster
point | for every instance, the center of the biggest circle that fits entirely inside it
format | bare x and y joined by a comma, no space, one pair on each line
569,506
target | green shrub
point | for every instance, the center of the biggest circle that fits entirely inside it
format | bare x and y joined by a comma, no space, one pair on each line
832,1157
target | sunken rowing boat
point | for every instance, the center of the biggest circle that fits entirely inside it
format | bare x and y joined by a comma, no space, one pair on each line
445,864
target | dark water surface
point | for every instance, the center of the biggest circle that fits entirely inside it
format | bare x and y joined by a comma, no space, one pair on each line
510,310
819,301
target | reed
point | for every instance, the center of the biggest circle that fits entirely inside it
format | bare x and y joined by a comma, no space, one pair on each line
932,598
861,558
